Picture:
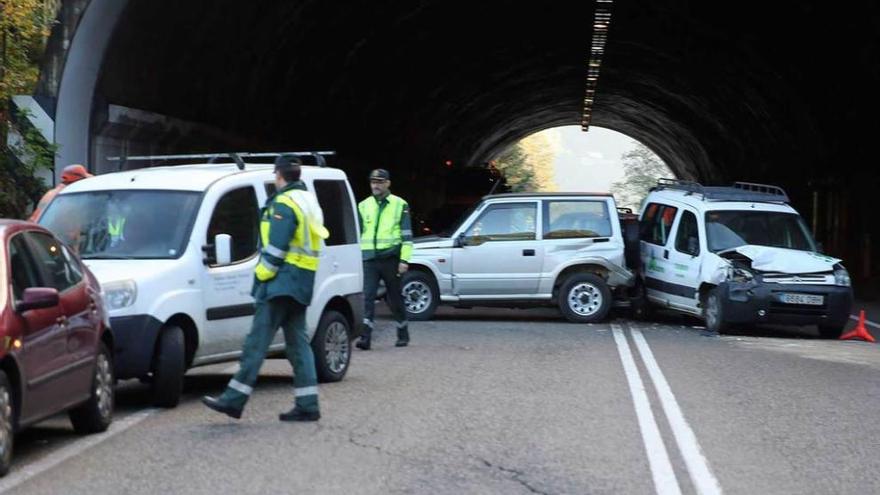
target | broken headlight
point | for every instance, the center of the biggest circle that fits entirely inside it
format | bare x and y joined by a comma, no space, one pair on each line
740,275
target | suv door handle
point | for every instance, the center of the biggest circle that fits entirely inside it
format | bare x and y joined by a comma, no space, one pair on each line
528,252
666,254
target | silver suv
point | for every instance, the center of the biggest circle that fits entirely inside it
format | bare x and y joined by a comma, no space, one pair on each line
519,250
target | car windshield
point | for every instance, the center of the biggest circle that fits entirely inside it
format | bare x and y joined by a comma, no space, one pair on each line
123,224
732,229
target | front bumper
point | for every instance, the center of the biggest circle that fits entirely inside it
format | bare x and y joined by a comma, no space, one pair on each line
762,303
135,340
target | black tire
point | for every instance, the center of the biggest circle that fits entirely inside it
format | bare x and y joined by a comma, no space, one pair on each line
96,414
7,423
168,368
713,312
831,331
332,347
584,298
419,295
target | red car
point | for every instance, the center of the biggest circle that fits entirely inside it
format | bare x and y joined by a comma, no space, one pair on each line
55,345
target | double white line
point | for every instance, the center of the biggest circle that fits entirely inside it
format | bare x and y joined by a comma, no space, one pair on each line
665,481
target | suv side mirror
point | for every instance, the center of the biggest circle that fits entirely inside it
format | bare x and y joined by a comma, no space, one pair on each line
223,249
37,298
459,240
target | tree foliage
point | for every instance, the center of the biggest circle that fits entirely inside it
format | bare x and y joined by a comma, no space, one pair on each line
641,169
529,164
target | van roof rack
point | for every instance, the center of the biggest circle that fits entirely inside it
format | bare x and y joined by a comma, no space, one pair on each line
235,156
739,191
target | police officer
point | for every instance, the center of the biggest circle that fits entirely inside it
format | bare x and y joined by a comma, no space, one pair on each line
292,233
386,243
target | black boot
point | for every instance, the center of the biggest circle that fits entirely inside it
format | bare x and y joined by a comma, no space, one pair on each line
222,407
402,337
364,342
296,414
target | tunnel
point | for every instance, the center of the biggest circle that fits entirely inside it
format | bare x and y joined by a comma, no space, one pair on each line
773,92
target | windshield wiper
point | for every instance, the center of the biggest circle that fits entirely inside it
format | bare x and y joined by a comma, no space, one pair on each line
107,257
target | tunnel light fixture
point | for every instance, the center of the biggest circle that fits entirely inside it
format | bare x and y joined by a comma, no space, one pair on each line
601,23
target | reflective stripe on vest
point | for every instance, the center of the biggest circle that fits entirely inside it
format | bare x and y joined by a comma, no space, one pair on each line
305,247
381,229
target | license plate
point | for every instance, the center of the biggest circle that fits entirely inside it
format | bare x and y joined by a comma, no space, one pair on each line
807,299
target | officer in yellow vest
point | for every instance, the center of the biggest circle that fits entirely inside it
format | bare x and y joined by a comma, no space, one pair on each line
386,243
292,233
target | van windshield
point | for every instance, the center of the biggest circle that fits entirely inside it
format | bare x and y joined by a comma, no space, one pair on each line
123,224
735,228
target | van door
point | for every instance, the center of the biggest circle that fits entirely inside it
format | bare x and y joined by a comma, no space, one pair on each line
684,261
656,231
227,289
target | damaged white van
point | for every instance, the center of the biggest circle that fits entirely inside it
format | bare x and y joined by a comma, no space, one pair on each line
737,255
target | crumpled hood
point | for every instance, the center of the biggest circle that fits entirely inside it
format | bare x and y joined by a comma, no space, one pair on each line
781,260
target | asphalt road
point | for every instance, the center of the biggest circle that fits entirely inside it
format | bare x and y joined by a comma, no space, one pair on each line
506,401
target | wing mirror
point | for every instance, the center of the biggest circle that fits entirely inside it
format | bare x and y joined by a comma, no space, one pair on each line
37,298
223,249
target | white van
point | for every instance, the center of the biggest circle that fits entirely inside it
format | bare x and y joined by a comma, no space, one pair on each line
738,255
174,249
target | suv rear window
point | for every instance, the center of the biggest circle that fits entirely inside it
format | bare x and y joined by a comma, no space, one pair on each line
576,219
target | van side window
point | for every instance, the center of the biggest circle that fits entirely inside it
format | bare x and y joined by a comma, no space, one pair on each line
656,229
238,215
338,212
687,239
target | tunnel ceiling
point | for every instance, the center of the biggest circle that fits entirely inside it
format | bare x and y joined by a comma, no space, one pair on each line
746,90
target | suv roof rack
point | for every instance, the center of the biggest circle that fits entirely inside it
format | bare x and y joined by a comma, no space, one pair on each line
739,191
235,156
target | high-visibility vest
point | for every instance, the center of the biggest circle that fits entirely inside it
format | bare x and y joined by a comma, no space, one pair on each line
381,229
305,247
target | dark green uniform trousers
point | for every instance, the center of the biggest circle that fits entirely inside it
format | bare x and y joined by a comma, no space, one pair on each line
290,315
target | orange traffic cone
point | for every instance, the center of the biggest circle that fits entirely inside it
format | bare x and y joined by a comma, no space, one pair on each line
859,332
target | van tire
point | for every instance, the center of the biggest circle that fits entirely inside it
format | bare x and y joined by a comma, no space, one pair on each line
96,414
168,368
7,423
831,331
420,284
571,300
713,312
332,347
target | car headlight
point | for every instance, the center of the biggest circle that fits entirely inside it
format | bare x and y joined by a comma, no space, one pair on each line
841,277
120,294
740,275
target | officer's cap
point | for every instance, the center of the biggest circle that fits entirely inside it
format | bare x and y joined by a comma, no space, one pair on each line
380,174
286,163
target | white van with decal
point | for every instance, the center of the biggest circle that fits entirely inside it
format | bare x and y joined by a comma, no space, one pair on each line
738,255
174,249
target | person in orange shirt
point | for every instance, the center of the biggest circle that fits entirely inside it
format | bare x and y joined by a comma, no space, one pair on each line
69,175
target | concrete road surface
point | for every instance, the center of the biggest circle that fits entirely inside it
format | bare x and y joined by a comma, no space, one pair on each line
506,401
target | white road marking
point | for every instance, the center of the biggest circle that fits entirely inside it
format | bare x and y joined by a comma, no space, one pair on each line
20,474
658,459
697,465
867,321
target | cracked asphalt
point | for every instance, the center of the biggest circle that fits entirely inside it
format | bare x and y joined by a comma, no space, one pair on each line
500,401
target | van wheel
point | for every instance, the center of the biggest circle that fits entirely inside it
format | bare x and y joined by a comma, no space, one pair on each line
831,331
168,368
96,414
713,312
419,294
584,298
332,347
7,420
